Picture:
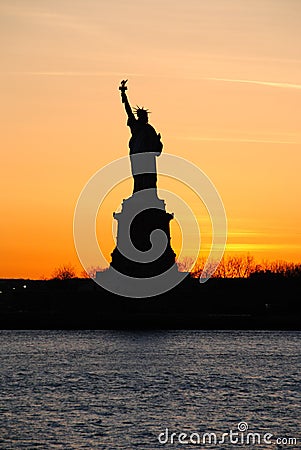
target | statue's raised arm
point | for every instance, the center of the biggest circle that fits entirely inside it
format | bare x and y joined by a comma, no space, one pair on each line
124,98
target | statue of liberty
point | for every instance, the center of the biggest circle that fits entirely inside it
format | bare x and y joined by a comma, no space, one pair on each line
144,140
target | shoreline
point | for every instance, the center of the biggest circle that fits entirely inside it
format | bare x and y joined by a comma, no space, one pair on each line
223,304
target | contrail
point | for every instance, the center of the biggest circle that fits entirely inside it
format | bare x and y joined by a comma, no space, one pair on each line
242,140
70,74
258,82
73,74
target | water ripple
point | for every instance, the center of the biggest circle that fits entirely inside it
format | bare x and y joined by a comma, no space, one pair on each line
119,390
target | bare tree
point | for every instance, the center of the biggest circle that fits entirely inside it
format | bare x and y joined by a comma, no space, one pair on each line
279,267
245,265
185,264
229,267
91,271
64,272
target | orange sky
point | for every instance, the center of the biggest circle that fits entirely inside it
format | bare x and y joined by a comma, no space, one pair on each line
223,82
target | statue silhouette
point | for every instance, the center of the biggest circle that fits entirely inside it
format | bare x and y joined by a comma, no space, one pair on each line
144,140
143,242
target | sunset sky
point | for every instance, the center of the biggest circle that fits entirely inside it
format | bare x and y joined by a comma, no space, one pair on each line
222,79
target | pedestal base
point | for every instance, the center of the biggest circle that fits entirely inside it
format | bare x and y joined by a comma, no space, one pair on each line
143,247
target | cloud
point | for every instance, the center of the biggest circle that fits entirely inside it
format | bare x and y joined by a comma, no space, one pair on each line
260,247
257,82
44,17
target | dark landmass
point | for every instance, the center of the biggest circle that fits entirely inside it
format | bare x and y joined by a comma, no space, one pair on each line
259,302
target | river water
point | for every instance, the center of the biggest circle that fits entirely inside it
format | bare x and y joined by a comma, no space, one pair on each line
150,389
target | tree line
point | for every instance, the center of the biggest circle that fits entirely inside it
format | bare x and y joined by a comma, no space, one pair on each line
244,266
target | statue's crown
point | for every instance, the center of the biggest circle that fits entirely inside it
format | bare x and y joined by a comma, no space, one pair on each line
141,111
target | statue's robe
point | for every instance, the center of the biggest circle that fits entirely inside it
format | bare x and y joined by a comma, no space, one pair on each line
146,142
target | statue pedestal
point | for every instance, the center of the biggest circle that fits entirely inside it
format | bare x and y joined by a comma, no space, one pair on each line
143,247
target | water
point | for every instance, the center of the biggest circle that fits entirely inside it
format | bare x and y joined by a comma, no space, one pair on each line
121,389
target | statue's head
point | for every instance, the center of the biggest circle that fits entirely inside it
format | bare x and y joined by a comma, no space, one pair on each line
142,114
